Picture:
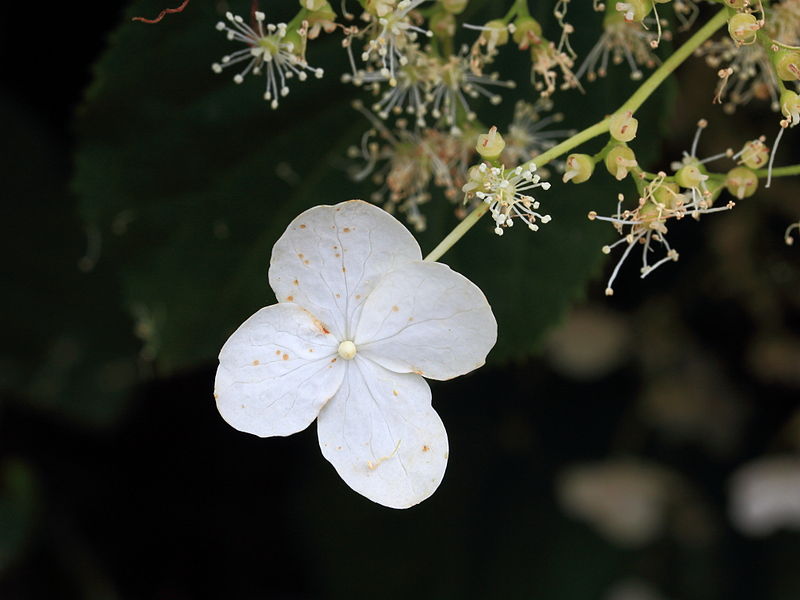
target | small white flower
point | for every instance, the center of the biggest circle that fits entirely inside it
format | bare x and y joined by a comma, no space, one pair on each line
765,495
268,51
504,193
360,320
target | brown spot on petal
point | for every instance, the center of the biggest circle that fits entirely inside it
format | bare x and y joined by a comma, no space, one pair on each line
333,360
321,326
296,282
395,392
256,363
395,309
344,270
426,448
418,372
285,357
277,352
305,262
310,349
346,230
302,226
338,295
338,255
410,319
300,255
289,298
358,296
216,395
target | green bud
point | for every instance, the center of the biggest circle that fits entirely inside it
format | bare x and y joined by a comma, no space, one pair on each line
579,168
622,126
790,106
742,28
787,64
527,31
741,182
490,145
755,154
454,7
668,195
443,24
495,32
619,161
633,11
690,176
313,5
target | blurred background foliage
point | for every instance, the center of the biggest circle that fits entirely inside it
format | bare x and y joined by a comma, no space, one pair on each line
591,458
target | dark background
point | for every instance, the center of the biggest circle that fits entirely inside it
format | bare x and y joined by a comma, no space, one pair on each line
154,496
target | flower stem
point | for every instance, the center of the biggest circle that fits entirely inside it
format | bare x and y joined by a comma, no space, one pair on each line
780,171
638,98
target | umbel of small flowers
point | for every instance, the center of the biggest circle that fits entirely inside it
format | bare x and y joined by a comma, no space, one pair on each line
360,321
276,51
504,191
405,163
646,225
622,41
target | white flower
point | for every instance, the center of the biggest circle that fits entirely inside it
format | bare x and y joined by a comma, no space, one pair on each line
360,319
268,51
765,495
503,192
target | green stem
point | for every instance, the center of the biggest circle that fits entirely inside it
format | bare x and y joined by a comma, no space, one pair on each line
780,171
521,8
632,104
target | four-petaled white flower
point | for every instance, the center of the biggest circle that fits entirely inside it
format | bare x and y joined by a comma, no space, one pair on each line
360,320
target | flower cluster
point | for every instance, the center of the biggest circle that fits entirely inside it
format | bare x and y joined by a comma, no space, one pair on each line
503,192
276,51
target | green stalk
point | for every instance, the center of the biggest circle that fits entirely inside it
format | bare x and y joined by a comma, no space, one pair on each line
638,98
780,171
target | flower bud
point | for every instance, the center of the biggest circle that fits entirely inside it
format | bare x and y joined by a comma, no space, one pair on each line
443,24
690,176
741,182
652,215
619,161
495,32
634,11
490,145
527,31
313,5
297,40
755,154
790,107
622,126
787,64
379,8
579,168
454,7
668,195
742,28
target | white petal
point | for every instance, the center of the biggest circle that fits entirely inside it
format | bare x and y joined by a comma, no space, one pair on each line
383,436
426,319
330,258
277,371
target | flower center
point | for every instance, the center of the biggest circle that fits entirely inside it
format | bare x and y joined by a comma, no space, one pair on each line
347,350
